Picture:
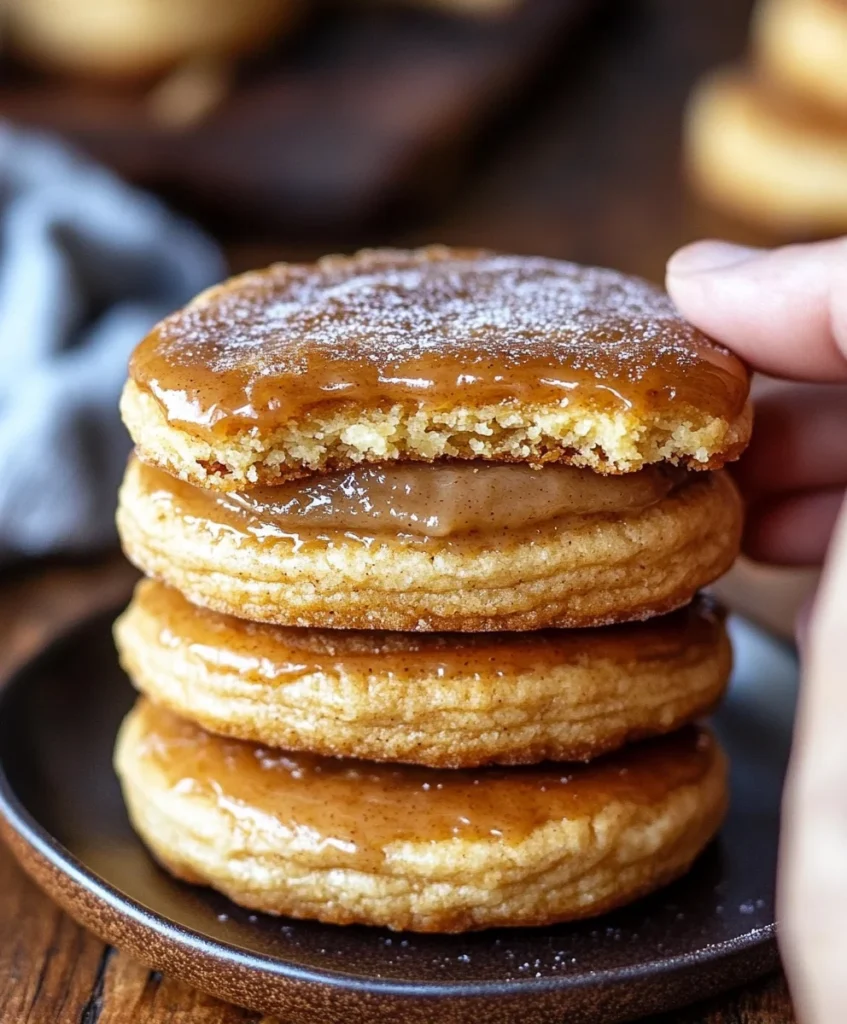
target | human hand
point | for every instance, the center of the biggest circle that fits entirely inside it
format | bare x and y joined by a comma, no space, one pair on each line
785,312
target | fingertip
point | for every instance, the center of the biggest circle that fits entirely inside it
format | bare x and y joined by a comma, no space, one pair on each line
708,255
781,310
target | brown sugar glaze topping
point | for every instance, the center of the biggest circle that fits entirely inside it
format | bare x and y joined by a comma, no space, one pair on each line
282,655
442,499
425,503
358,808
434,328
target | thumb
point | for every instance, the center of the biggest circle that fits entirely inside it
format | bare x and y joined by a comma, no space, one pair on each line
782,310
813,883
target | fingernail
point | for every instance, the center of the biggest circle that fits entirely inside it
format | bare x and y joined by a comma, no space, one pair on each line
704,257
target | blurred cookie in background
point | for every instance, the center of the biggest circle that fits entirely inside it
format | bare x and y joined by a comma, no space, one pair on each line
766,143
764,160
800,47
132,40
354,115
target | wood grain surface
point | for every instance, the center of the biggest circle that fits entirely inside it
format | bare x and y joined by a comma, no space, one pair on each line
589,169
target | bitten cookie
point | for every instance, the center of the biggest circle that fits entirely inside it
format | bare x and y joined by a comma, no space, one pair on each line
439,353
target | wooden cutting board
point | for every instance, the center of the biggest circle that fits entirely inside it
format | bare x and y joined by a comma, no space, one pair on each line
365,114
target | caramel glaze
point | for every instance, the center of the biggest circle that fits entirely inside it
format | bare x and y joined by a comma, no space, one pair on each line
257,516
283,655
447,497
358,808
434,328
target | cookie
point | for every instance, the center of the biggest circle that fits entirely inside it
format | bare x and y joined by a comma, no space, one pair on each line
449,700
439,353
417,848
764,161
139,39
659,542
800,47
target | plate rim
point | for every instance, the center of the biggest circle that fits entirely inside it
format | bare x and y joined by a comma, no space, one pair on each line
25,827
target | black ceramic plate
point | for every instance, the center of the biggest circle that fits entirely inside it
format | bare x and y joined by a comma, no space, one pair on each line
61,810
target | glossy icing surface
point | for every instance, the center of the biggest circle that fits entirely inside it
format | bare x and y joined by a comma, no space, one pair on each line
448,498
435,328
285,654
359,808
421,502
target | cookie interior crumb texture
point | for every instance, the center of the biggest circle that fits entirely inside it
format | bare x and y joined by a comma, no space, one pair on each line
394,355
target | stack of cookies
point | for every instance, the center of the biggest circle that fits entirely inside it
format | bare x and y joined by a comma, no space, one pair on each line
768,143
421,644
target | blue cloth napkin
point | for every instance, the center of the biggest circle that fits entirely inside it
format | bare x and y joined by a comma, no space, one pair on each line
87,266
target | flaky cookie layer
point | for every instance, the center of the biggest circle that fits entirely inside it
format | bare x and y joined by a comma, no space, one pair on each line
592,571
608,843
340,438
443,700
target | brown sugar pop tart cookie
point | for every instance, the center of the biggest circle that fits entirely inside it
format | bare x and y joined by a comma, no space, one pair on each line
127,40
418,848
766,160
449,700
800,49
435,440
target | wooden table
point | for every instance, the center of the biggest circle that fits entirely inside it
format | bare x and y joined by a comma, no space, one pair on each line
588,171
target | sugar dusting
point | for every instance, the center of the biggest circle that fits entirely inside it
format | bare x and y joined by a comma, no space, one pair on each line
391,309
